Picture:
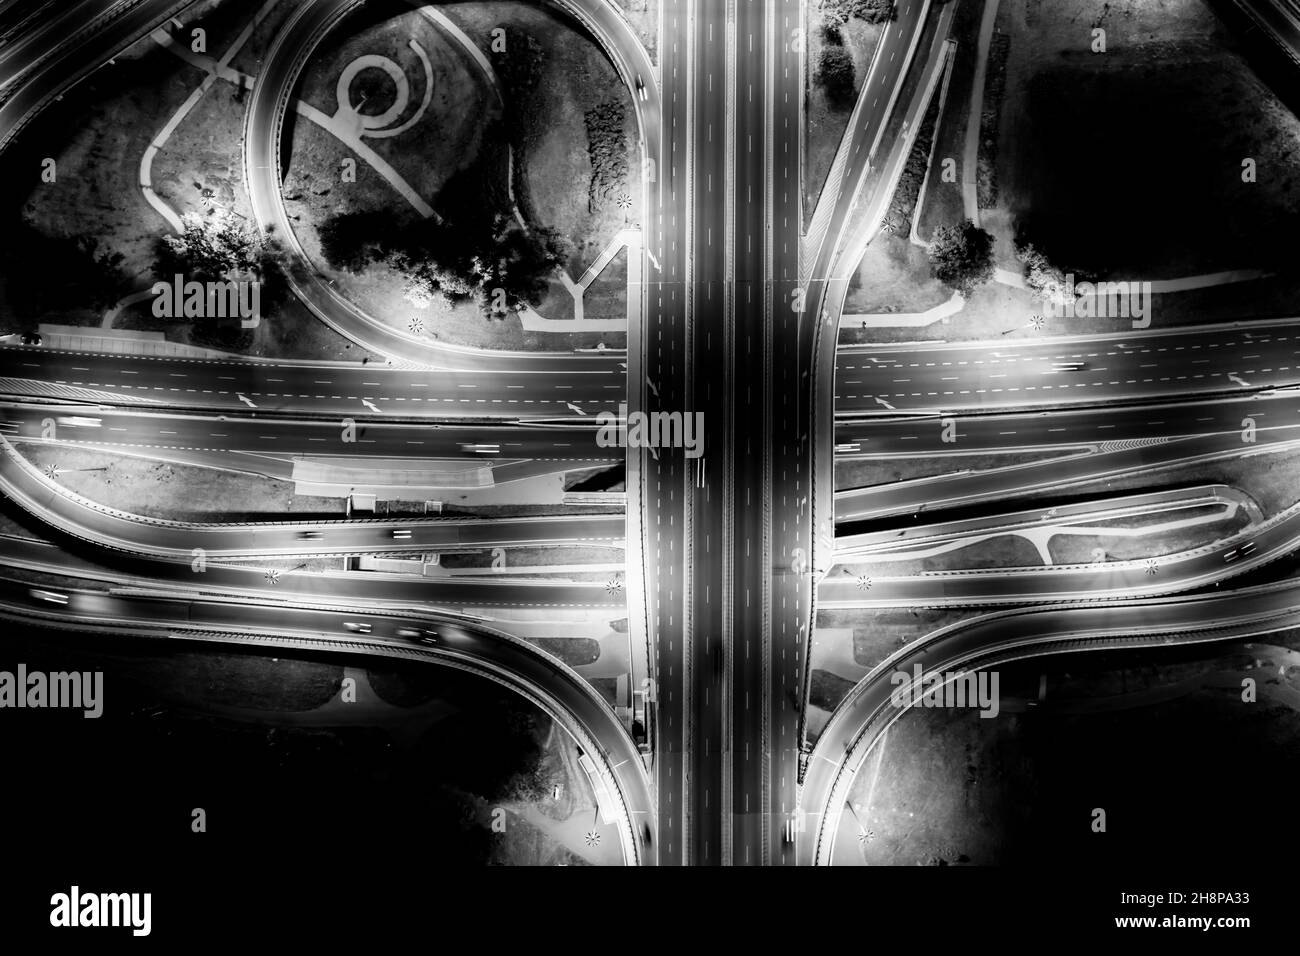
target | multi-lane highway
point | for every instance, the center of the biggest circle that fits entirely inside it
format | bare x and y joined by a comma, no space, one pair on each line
1027,372
737,320
660,384
274,436
530,386
870,380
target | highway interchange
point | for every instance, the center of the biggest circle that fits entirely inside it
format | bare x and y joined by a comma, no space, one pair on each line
728,557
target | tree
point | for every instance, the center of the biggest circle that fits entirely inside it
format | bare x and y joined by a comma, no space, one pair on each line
220,247
961,256
1045,280
426,284
212,247
872,11
835,72
351,240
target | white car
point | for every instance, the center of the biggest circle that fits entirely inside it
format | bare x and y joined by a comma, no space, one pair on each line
357,628
640,89
1241,552
54,597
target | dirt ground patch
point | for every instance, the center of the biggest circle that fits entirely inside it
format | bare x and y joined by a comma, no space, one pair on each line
1004,551
452,136
1272,479
102,130
644,17
1125,164
942,205
576,78
536,557
893,276
1130,161
178,492
863,474
825,121
96,136
945,787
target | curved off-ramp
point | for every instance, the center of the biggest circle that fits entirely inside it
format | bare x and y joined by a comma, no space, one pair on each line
543,680
155,540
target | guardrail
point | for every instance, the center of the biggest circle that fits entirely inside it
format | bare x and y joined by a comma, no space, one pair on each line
96,25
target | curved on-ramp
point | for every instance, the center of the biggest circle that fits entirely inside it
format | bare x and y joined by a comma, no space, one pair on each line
299,36
1002,638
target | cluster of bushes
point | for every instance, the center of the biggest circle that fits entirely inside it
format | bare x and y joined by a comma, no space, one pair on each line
961,256
902,206
473,252
219,247
872,11
607,149
835,72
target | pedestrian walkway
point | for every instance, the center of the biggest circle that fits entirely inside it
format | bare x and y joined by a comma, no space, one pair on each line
76,338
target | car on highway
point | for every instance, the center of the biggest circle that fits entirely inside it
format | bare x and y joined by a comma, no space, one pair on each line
1069,366
54,597
401,534
79,421
480,449
357,627
790,827
1235,553
310,535
418,633
640,89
